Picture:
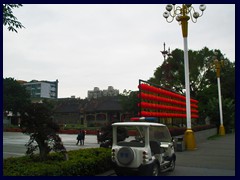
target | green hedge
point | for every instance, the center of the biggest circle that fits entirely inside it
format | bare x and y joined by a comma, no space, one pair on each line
83,162
176,131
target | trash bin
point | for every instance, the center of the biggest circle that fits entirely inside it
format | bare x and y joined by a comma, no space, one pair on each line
180,144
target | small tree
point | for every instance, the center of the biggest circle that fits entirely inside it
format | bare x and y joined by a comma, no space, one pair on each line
37,122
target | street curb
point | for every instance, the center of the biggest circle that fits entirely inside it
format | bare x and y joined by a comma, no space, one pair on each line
107,173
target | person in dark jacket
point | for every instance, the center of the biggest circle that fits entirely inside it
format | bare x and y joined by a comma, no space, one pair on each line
83,137
80,137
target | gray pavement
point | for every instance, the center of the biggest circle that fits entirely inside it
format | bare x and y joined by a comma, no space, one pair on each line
218,153
211,158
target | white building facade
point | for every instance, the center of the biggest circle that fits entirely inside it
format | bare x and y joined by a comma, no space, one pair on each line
96,92
42,89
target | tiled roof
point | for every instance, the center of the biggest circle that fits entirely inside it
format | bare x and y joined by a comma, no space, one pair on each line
93,105
68,108
104,104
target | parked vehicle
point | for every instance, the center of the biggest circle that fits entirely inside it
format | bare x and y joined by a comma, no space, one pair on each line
148,151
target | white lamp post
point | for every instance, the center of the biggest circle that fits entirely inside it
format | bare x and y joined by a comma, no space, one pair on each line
218,65
182,15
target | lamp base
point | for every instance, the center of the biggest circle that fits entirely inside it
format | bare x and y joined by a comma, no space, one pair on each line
189,138
221,130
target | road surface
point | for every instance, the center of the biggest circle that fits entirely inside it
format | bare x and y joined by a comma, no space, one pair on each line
14,143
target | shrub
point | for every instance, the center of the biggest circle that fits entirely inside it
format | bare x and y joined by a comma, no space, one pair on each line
83,162
203,127
176,131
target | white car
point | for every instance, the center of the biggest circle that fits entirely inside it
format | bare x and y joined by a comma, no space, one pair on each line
148,150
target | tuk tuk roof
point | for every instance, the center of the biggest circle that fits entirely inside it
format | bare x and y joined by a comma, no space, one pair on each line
137,124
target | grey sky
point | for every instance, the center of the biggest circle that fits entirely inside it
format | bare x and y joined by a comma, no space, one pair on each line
87,46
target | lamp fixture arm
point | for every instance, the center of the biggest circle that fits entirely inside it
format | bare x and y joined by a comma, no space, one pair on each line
177,12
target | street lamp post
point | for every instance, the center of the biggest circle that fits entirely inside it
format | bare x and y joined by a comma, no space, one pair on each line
182,15
165,52
218,65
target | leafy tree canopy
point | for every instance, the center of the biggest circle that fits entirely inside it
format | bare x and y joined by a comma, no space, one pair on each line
129,101
9,19
202,75
15,96
203,80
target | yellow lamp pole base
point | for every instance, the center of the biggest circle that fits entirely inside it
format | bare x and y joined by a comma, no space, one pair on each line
221,130
189,139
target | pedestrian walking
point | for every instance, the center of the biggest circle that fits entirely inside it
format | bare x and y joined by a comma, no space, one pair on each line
83,137
79,137
98,135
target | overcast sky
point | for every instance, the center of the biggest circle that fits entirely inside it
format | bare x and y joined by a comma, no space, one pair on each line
86,46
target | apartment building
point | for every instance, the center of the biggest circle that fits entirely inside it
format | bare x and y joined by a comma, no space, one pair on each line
97,93
42,89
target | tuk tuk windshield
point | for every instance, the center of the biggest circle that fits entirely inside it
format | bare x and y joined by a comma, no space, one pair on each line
134,137
159,133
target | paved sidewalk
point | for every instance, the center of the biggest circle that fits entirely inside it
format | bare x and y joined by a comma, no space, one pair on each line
217,153
216,157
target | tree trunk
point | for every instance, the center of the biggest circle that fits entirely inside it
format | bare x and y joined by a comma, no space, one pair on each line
43,150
